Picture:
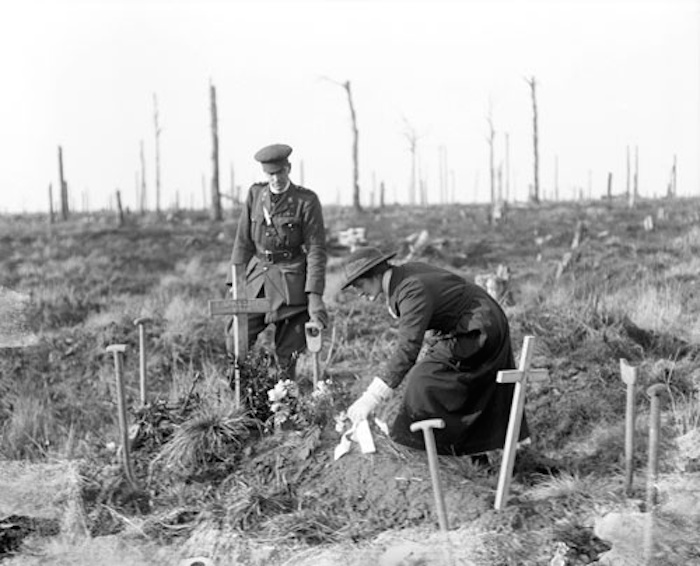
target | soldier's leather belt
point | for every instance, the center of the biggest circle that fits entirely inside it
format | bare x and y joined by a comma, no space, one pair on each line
279,255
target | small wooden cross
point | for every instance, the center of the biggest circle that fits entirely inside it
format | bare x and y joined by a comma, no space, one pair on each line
239,306
520,377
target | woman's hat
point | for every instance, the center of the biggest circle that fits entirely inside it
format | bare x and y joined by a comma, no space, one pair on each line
360,262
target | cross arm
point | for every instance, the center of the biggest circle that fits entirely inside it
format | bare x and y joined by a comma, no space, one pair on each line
238,306
516,375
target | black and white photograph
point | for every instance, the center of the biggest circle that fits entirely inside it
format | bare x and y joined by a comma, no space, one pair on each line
350,282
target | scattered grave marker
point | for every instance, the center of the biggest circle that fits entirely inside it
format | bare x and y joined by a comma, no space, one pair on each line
655,393
239,307
520,377
141,322
629,377
14,325
117,350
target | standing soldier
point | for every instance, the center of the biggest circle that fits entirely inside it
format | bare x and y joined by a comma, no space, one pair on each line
281,240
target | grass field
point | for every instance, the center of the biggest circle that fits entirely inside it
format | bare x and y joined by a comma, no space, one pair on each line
216,483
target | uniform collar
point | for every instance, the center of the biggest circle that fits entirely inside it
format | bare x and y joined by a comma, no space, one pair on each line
286,188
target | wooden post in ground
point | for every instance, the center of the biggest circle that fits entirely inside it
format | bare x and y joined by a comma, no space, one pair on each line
117,350
239,307
143,387
314,341
655,392
520,377
629,377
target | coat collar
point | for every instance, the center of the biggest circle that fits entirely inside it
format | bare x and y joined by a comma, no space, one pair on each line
283,202
386,286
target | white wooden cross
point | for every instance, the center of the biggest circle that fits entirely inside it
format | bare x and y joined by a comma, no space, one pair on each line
520,377
239,306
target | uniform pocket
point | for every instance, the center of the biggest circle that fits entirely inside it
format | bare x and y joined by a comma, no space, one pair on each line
294,282
289,228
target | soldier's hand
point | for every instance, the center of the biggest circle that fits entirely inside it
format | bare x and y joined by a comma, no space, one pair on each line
317,310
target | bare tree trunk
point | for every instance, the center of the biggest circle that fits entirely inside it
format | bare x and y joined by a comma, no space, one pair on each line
414,165
65,213
381,194
627,189
635,188
536,177
442,174
507,167
143,180
355,147
610,177
412,137
492,170
215,194
119,208
157,133
671,192
499,184
51,213
138,191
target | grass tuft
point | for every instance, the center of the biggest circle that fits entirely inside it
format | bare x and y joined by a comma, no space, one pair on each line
210,436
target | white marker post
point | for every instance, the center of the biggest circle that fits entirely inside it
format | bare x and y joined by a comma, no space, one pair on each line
520,377
143,389
629,377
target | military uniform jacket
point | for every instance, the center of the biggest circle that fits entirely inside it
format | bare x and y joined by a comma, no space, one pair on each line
283,245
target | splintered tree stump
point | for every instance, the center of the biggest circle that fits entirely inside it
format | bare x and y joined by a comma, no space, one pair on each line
497,284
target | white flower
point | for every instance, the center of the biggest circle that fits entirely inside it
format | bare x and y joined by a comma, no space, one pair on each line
340,422
322,389
279,391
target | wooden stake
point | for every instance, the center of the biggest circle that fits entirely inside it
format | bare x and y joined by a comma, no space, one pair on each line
629,377
118,350
140,322
520,377
655,392
427,427
239,306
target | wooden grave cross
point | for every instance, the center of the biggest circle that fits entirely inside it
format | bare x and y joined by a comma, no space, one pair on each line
520,377
239,306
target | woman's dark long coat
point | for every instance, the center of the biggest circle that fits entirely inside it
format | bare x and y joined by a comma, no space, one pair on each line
456,379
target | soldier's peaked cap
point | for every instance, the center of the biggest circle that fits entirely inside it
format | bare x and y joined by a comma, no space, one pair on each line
273,157
360,262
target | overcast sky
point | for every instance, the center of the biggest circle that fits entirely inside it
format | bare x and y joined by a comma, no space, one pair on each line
83,75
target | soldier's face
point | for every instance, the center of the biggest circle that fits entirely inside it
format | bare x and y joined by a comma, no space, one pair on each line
279,179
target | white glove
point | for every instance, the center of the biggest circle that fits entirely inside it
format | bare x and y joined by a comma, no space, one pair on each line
377,392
